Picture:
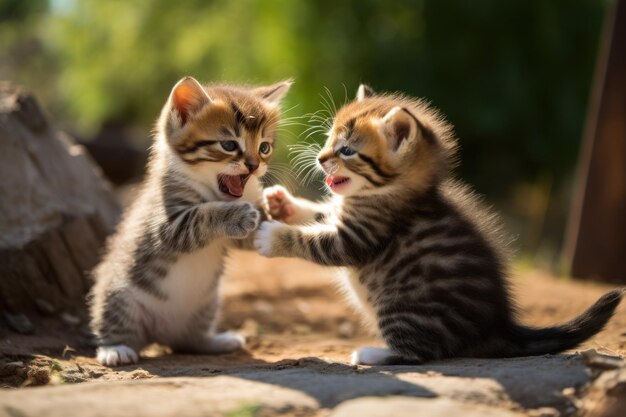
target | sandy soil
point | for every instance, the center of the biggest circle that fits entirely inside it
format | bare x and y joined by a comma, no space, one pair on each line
291,314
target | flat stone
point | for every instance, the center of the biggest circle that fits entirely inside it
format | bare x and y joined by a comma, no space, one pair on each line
479,385
412,407
171,397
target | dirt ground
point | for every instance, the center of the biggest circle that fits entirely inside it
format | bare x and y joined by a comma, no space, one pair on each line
293,317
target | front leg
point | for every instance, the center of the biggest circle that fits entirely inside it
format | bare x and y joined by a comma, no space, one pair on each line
247,243
283,206
195,226
322,244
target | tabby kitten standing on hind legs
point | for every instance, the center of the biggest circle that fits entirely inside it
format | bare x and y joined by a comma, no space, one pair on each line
419,252
159,279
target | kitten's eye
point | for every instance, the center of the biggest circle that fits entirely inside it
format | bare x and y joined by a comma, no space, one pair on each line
346,151
265,148
229,145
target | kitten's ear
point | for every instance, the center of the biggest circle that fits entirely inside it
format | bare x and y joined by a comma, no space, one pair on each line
274,93
187,97
364,92
400,126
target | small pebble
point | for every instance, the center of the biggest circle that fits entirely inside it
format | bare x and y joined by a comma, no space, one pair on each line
70,319
45,307
346,330
544,412
19,323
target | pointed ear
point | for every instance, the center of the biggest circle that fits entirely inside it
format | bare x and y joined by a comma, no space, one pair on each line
363,92
400,126
274,93
187,97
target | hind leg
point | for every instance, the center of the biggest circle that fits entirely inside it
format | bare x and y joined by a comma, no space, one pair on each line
201,337
119,333
212,344
116,355
409,339
225,342
368,355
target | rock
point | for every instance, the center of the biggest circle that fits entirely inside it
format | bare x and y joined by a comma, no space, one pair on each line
412,407
474,386
51,235
346,330
544,412
45,307
596,360
606,396
70,319
154,397
249,328
19,323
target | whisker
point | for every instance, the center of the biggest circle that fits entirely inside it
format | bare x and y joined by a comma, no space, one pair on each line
282,176
345,94
332,100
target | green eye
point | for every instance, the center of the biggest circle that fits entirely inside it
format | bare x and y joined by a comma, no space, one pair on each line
229,145
265,148
346,151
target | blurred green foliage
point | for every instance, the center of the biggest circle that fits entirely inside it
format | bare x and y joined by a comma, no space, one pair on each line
513,77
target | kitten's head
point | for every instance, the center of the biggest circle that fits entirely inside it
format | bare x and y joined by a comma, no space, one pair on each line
386,143
221,135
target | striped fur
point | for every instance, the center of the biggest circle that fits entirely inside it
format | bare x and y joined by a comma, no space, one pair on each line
159,278
420,255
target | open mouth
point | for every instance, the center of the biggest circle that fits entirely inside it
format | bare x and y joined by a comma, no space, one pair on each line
232,185
337,182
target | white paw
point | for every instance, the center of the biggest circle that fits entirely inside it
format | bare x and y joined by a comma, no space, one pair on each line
226,342
278,203
116,355
264,236
371,356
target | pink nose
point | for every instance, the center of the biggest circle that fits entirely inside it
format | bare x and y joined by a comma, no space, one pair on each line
329,166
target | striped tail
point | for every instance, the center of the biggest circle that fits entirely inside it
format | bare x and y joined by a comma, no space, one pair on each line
530,341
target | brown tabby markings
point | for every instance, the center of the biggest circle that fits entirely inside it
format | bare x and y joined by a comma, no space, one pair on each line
420,253
232,115
160,276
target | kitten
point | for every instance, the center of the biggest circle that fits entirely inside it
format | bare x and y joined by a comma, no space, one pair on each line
159,279
420,253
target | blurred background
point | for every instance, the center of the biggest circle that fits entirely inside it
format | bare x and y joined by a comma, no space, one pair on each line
513,77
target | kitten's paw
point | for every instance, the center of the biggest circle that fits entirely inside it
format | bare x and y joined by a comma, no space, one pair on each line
371,356
264,238
279,203
225,342
116,355
243,219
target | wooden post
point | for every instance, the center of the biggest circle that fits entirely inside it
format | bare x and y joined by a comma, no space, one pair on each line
595,241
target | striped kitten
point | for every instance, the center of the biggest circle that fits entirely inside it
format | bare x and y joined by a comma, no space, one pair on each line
420,253
159,280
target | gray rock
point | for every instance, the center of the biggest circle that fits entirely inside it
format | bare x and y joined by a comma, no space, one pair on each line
19,323
475,386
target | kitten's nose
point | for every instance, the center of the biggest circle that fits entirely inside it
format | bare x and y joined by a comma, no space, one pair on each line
324,156
322,159
251,165
328,166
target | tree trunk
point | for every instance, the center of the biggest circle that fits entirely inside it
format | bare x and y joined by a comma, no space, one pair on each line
55,212
595,242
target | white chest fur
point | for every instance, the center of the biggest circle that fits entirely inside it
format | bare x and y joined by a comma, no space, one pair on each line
357,294
190,284
192,276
